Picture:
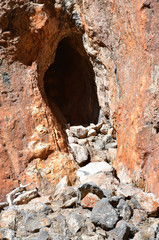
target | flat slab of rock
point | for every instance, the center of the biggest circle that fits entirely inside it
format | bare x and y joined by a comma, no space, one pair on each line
94,167
104,180
35,207
80,152
104,215
148,202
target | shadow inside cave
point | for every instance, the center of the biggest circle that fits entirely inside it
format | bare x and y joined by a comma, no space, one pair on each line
70,86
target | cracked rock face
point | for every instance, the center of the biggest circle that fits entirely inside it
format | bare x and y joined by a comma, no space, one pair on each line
66,63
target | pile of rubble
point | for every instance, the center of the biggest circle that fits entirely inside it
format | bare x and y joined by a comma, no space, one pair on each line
98,207
93,143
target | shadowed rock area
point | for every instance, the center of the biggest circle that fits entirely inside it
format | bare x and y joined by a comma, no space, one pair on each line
70,84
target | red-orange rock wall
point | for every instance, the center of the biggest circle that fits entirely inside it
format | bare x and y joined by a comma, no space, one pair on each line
33,148
129,29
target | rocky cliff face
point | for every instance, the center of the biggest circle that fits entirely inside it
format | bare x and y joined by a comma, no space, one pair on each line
77,62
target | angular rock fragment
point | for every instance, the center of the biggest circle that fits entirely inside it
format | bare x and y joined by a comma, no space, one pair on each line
104,215
148,202
70,203
78,131
80,152
63,182
43,235
98,145
139,217
35,222
115,200
75,223
121,232
124,209
65,197
35,207
89,200
58,227
96,237
111,154
153,230
43,199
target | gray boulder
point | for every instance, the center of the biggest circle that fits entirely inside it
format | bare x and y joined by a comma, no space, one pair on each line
104,215
121,232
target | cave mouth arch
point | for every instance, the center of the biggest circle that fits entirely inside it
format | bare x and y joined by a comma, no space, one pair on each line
69,85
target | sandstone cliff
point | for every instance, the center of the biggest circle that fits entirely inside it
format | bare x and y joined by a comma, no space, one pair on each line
76,62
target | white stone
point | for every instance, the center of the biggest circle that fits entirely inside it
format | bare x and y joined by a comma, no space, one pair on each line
79,131
80,152
94,167
72,140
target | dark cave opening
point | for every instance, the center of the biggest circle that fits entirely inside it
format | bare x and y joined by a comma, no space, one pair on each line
70,85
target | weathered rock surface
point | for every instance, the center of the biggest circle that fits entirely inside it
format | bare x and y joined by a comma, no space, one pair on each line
115,46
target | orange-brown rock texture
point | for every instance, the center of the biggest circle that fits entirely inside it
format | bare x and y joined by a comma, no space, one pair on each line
66,62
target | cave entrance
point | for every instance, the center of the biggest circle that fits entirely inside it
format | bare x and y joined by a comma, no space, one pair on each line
70,85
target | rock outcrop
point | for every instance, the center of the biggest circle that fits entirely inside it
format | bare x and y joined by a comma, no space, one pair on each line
66,63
